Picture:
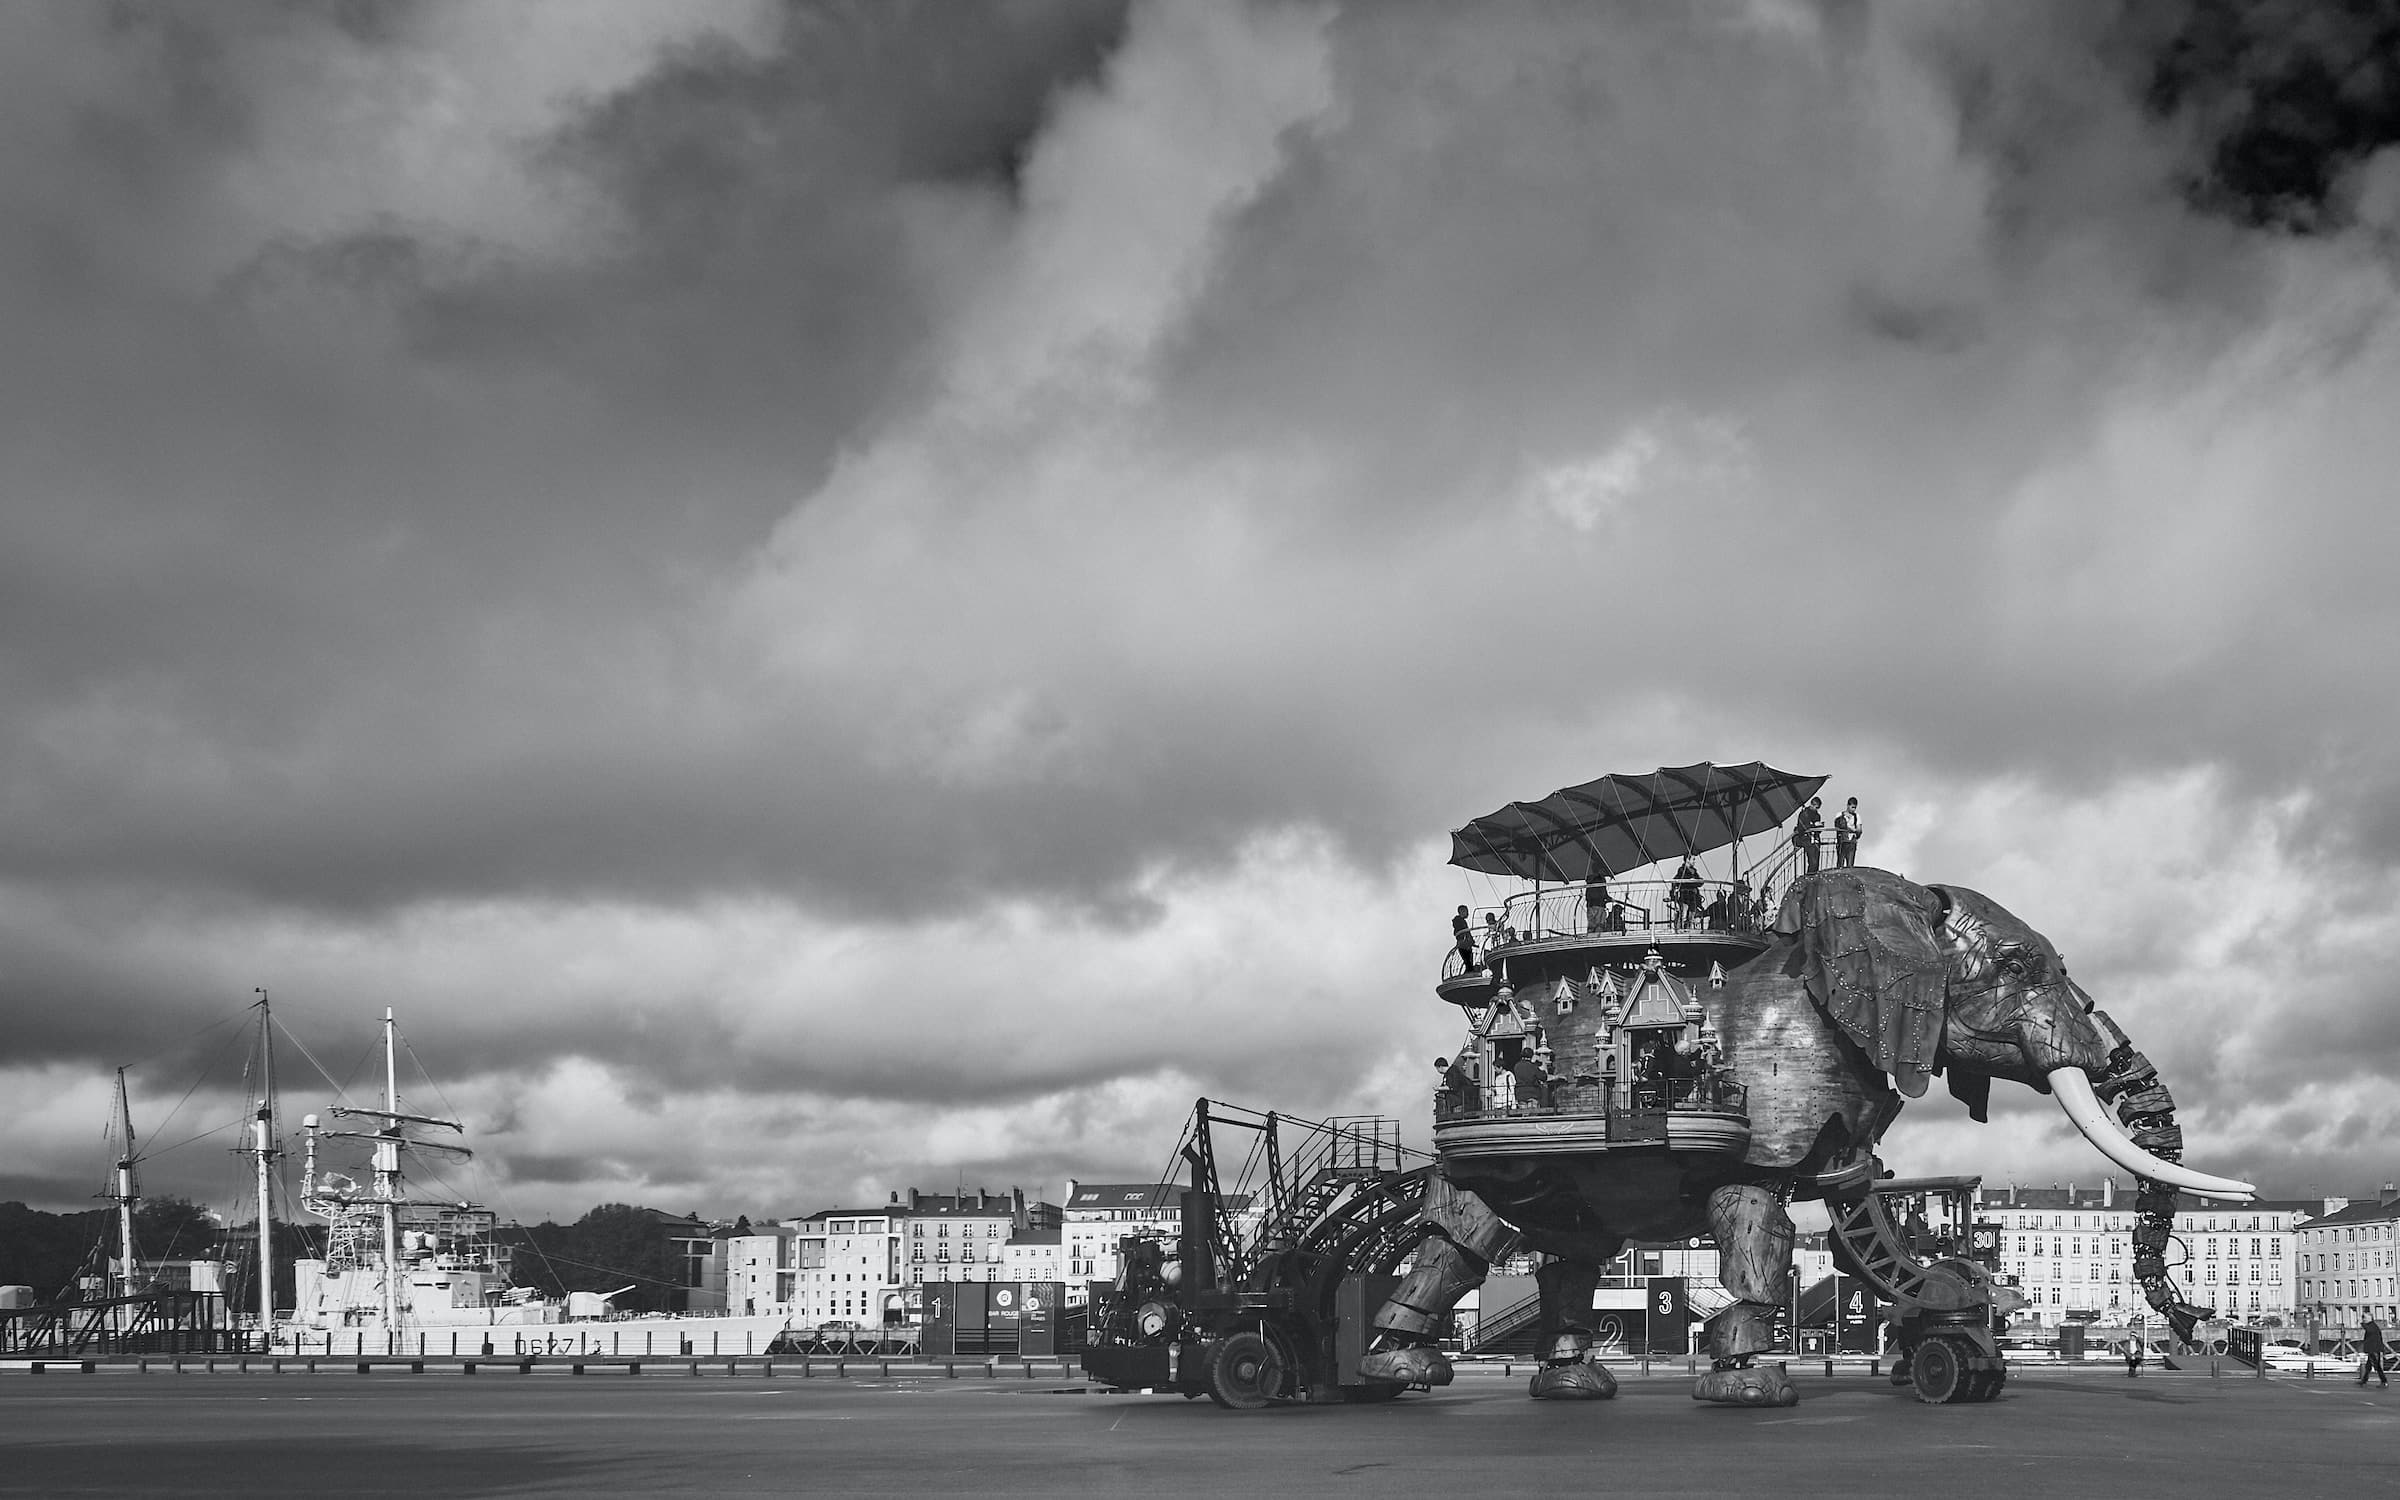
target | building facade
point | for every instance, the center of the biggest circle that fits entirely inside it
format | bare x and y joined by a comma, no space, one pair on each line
759,1270
1098,1214
1036,1255
846,1267
2346,1261
2070,1252
959,1236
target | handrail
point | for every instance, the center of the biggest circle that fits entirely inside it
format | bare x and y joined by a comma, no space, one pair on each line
1637,907
1510,1320
1714,1092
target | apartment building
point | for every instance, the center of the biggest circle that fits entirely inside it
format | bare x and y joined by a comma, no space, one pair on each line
846,1266
1036,1255
2070,1252
2346,1261
760,1269
960,1236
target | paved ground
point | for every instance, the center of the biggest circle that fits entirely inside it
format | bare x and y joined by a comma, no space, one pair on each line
2050,1436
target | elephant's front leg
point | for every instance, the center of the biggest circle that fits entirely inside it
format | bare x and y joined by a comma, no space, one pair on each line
1754,1260
1567,1374
1462,1239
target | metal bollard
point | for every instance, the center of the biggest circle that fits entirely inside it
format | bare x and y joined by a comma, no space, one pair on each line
1829,1359
950,1367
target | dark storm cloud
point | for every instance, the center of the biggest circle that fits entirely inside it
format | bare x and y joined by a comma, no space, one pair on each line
2284,99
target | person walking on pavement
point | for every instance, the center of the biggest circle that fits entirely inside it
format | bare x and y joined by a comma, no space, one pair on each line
2133,1358
2371,1341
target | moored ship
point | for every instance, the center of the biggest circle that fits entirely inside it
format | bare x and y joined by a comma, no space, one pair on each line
421,1276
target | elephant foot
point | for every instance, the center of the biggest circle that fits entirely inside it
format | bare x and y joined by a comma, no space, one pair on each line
1574,1382
1750,1385
1418,1364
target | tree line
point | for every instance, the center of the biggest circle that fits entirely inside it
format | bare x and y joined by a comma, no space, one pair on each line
612,1246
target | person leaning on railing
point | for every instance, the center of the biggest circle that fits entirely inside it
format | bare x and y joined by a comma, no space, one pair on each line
1458,1086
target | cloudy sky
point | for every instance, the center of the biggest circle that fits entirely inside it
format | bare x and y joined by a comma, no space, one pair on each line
835,596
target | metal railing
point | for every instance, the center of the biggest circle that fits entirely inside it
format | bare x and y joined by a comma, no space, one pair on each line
1746,905
1581,1098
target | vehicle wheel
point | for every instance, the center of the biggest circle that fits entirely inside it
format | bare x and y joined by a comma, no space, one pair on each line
1371,1395
1939,1374
1983,1385
1244,1372
1900,1369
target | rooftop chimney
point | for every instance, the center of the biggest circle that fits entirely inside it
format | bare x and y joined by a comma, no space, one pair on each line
895,1196
2108,1192
2390,1193
912,1199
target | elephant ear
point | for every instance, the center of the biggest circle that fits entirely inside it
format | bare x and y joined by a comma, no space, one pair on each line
1867,952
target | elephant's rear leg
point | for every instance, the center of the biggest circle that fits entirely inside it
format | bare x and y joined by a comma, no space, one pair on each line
1462,1239
1567,1372
1754,1259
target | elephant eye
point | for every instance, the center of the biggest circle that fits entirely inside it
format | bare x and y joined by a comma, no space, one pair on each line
2013,967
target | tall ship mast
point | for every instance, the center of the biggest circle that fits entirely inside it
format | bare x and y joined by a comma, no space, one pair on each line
354,1211
402,1268
126,1193
264,1153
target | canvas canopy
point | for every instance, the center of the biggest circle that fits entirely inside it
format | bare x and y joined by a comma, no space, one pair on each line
1624,822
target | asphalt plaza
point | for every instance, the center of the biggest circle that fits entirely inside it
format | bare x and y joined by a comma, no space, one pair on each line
2051,1434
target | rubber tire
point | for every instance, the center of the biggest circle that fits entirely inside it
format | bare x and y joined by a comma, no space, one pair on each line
1900,1369
1244,1372
1938,1372
1370,1395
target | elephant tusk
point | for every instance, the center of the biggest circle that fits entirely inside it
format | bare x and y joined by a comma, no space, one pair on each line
2075,1096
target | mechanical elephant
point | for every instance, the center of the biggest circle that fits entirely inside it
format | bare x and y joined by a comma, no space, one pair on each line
1869,987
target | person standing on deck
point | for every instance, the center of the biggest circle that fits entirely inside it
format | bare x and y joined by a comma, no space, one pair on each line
1595,901
1845,835
1464,935
1804,833
1683,893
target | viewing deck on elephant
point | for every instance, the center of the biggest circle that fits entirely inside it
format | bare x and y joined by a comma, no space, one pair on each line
1707,1113
1553,928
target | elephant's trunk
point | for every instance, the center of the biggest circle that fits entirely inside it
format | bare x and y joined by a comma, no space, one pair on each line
2075,1096
2143,1103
